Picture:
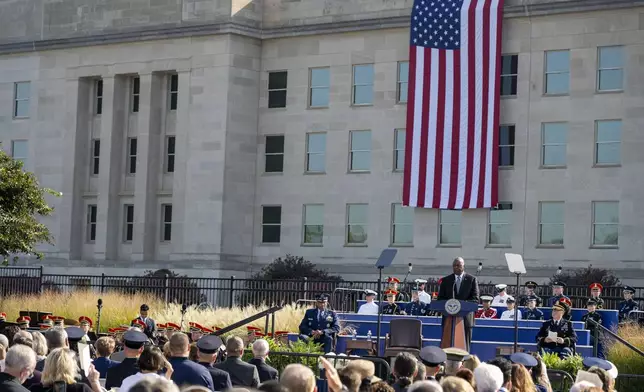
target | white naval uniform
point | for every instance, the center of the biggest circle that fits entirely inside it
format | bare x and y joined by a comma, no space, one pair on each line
509,315
424,297
368,308
500,300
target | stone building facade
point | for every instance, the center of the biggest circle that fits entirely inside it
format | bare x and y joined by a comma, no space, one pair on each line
219,134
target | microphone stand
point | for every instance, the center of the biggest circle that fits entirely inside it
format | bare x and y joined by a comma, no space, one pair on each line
184,307
380,299
98,318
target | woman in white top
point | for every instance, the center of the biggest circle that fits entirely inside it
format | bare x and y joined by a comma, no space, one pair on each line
509,314
151,362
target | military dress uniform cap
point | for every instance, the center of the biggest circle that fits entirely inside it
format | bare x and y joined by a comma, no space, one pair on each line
596,286
456,354
3,316
370,293
85,320
531,284
391,293
629,289
510,299
591,302
322,298
486,298
524,359
501,286
209,344
532,298
420,281
559,284
393,279
74,334
134,339
559,306
432,356
594,361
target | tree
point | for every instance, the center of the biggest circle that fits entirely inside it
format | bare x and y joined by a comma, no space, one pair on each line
179,288
22,201
293,267
587,276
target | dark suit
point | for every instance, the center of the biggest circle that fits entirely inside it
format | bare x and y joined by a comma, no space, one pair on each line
9,383
266,372
187,372
40,365
241,373
468,291
120,372
321,320
150,327
220,378
103,364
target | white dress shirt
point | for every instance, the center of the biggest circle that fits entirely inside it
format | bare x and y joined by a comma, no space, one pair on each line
500,300
509,315
424,297
368,308
129,382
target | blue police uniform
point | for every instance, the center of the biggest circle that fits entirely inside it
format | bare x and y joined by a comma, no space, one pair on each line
187,372
625,307
532,314
416,308
322,320
555,299
565,330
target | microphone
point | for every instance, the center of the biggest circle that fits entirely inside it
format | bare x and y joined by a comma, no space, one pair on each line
100,303
183,308
559,271
410,268
480,267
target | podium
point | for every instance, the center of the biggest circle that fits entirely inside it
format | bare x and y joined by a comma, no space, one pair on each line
454,311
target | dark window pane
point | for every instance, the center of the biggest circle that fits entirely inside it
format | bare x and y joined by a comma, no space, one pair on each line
99,88
173,101
129,232
99,105
167,213
167,232
272,215
130,214
506,156
171,141
97,148
277,80
132,165
95,166
508,85
170,168
274,163
133,146
136,85
274,144
271,234
277,99
510,64
92,214
135,104
174,82
92,232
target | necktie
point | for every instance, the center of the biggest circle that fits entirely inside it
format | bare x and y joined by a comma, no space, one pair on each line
458,284
320,317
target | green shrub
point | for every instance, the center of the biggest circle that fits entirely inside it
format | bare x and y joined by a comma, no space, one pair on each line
280,361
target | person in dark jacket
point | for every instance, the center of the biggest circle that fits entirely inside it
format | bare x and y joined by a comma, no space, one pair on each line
187,372
260,353
133,347
104,348
557,335
20,362
405,369
207,349
241,373
320,324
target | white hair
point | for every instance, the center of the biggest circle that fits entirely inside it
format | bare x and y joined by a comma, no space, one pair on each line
298,377
4,341
20,357
489,378
425,386
581,386
260,348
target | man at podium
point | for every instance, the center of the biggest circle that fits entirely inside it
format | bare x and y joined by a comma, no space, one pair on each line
462,286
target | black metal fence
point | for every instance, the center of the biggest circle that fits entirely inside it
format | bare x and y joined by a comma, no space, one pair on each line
232,291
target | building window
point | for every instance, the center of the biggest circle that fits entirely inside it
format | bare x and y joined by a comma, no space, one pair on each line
96,156
557,72
399,150
98,104
551,223
402,225
131,155
277,89
271,224
92,210
357,223
360,153
363,84
128,223
610,68
20,151
166,219
21,94
169,154
500,225
174,91
509,74
136,93
313,224
608,142
403,80
554,138
450,227
506,145
605,223
274,154
316,152
319,91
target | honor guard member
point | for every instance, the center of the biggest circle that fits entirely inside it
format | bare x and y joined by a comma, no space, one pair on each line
486,312
86,325
567,304
416,307
509,314
3,317
557,293
133,342
196,332
207,350
557,335
532,312
595,292
23,322
422,294
628,305
530,287
138,323
369,307
592,314
320,324
393,284
391,307
529,362
150,329
501,298
433,358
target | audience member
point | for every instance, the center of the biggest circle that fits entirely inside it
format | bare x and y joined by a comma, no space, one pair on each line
20,362
488,378
56,338
467,375
421,372
20,339
241,373
425,386
540,375
104,348
61,369
154,385
296,377
472,362
455,384
581,386
193,356
186,372
272,386
350,379
506,369
433,358
4,346
404,371
133,342
260,353
151,363
521,380
10,331
39,345
608,384
380,386
208,349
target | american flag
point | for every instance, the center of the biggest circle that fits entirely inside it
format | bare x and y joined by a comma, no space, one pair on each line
451,152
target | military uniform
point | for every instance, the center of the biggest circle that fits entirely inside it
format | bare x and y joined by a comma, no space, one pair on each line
128,367
489,313
210,344
392,309
416,308
523,300
320,320
625,307
564,330
588,325
553,300
532,314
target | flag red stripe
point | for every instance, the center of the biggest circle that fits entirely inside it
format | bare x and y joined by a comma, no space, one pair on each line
409,131
497,98
440,129
486,85
471,60
422,172
456,125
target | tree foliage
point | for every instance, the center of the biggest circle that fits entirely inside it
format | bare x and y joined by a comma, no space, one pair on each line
587,276
294,267
22,202
178,288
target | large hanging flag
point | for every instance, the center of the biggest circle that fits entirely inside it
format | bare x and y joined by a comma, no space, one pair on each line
451,152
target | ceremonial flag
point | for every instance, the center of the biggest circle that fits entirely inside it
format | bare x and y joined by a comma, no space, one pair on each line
451,152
